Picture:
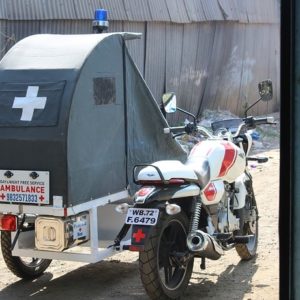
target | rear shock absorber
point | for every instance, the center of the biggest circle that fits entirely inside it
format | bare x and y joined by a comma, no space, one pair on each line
194,239
196,211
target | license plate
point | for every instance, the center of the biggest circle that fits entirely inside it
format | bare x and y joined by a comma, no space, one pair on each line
24,186
142,216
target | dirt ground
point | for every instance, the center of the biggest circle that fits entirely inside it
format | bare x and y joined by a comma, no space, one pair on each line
118,277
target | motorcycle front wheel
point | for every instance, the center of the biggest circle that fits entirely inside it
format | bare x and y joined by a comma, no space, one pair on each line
162,273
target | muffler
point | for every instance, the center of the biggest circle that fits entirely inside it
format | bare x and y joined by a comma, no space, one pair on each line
204,245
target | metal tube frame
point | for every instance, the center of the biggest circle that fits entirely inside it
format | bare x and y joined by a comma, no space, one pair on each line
92,253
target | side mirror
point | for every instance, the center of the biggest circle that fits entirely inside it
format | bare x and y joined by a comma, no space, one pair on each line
265,90
169,102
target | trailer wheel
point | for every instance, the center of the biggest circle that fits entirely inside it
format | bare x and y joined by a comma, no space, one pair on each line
26,268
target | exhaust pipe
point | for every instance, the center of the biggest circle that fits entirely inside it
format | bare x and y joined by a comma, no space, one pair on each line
204,245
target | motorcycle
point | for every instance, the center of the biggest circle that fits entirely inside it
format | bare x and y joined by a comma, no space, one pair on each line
202,208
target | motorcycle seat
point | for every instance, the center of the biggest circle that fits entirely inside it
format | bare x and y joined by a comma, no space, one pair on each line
201,168
170,169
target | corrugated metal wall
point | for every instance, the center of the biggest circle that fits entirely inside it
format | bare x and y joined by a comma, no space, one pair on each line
212,53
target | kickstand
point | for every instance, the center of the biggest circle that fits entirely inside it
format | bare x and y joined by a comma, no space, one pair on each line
203,265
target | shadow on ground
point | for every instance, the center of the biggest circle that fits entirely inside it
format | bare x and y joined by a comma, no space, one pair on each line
118,280
232,283
103,280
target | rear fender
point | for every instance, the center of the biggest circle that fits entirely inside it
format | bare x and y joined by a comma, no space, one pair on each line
156,197
140,233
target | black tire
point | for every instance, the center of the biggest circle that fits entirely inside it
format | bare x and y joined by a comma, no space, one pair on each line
249,226
21,267
161,277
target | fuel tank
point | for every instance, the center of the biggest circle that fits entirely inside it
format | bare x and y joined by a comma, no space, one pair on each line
217,160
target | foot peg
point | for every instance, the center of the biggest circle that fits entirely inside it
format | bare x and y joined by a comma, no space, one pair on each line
228,237
243,239
259,159
223,237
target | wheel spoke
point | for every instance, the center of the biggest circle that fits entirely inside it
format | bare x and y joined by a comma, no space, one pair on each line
172,244
168,274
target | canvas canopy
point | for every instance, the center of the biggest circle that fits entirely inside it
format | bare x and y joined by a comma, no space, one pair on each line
77,106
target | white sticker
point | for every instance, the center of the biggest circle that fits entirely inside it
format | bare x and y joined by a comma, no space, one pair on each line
80,229
29,103
58,201
17,186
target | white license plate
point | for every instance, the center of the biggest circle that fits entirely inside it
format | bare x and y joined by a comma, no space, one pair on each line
142,216
24,186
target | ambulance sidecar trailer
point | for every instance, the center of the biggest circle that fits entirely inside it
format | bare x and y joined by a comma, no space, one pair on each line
75,117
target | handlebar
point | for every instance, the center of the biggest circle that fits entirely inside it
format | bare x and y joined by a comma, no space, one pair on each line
266,120
189,128
174,130
248,123
252,122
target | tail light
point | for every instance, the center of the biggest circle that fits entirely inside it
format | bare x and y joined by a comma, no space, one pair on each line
176,181
8,222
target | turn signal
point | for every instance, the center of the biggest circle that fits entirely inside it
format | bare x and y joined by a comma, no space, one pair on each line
122,208
8,222
173,209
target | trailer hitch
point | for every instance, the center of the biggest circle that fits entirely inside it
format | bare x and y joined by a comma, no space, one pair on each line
120,236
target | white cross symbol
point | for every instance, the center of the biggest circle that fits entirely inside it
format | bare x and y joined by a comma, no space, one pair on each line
29,103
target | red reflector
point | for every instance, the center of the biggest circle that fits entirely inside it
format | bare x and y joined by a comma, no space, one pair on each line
8,222
210,192
176,181
136,248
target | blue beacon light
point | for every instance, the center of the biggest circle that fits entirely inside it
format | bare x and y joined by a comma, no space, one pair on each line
100,22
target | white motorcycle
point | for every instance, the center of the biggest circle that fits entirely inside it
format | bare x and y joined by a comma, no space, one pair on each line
198,209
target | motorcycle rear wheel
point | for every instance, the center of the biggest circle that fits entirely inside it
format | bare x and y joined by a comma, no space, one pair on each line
248,251
26,268
161,275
